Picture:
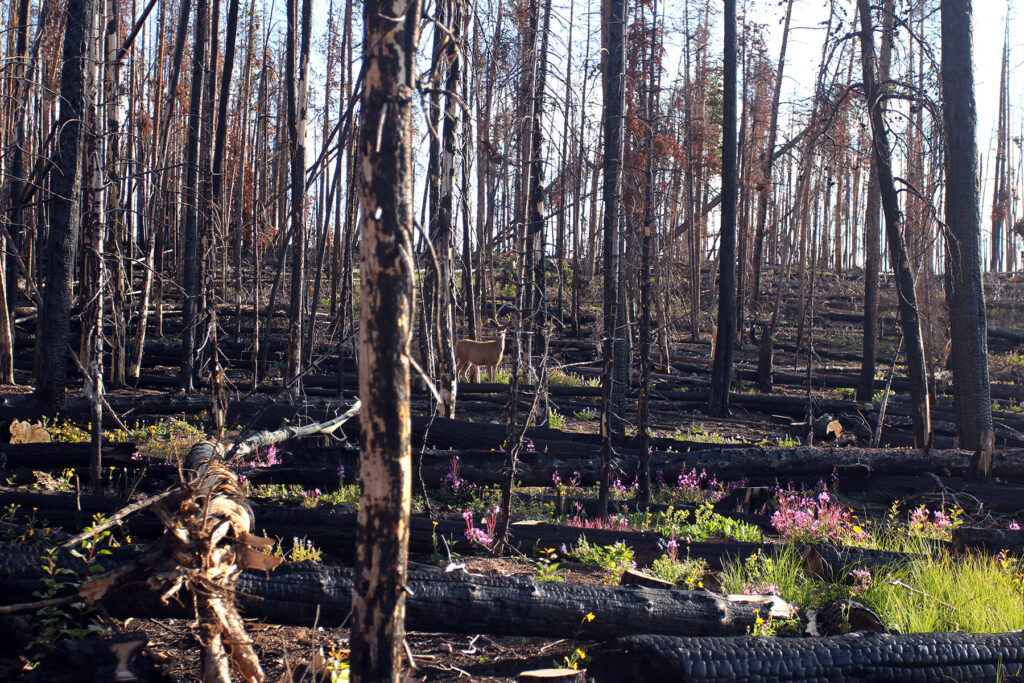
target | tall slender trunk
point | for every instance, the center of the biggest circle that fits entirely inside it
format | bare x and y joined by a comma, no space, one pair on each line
614,92
646,241
535,215
964,287
385,190
53,334
872,236
192,208
725,345
909,319
297,95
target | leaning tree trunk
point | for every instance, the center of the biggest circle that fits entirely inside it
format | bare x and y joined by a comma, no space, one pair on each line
385,191
725,345
872,246
910,322
66,182
964,290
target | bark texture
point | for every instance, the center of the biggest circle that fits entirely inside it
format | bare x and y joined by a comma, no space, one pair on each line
854,657
66,183
385,195
964,291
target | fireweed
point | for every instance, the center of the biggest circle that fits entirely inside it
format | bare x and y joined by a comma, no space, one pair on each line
481,537
808,517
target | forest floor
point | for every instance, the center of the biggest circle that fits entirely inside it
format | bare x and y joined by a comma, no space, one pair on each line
447,657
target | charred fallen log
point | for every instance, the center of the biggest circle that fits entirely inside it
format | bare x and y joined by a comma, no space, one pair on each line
727,464
453,602
854,657
834,563
992,541
55,455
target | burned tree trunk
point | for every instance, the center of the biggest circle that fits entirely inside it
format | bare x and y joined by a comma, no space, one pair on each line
872,236
964,291
297,96
67,179
385,192
192,208
855,657
725,346
614,93
909,320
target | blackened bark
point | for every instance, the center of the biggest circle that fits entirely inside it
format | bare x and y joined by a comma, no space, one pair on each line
646,242
964,291
66,181
613,107
297,96
725,346
909,319
535,249
443,235
872,236
385,190
191,208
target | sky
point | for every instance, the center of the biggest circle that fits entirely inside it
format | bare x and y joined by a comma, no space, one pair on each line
804,53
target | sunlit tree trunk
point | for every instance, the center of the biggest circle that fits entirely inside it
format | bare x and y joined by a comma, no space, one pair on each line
385,191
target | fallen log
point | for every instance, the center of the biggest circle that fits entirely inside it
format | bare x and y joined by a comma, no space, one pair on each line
834,563
454,602
726,463
56,455
855,657
333,529
990,541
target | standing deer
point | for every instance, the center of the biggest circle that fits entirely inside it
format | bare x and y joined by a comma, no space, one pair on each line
481,353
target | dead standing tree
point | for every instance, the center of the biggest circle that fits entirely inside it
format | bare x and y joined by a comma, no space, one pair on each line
872,237
66,182
964,291
614,93
297,98
909,320
725,346
385,191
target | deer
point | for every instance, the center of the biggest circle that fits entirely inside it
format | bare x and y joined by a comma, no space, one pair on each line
469,352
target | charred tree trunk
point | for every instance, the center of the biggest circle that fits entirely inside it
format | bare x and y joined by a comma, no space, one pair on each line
725,346
964,290
385,190
646,242
855,657
53,334
614,93
872,235
192,208
905,293
765,187
297,96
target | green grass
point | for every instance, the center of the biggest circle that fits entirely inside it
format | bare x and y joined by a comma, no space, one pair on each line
558,378
973,593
